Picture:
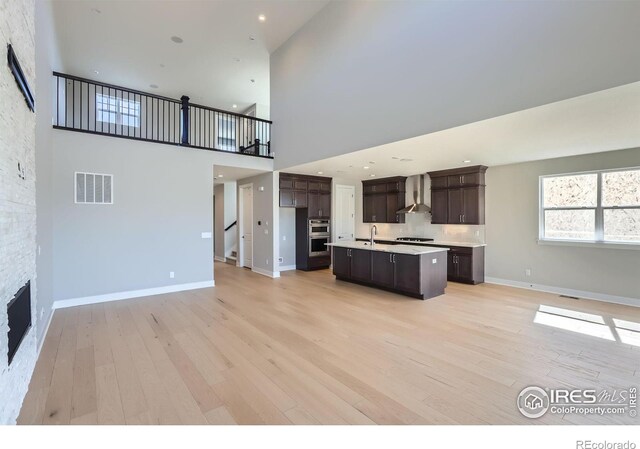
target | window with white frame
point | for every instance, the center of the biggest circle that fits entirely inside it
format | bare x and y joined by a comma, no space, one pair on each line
117,110
600,206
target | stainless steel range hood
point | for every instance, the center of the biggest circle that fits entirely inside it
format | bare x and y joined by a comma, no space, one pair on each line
418,206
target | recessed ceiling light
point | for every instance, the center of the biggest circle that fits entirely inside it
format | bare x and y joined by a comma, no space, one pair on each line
251,38
96,72
393,157
372,162
220,175
252,80
372,175
366,167
236,59
466,161
162,65
96,10
177,39
320,172
153,86
234,106
262,17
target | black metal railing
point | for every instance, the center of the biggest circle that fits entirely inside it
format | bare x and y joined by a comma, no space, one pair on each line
230,226
93,107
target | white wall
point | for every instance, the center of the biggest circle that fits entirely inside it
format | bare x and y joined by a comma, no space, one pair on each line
512,232
163,201
47,60
361,74
17,202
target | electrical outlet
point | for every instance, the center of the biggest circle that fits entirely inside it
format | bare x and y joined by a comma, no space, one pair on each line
266,231
527,272
434,261
172,274
477,233
284,237
267,261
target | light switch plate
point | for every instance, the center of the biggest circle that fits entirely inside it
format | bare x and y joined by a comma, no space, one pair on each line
434,260
206,235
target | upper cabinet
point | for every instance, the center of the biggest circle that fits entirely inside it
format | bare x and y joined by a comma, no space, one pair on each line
382,198
457,195
312,192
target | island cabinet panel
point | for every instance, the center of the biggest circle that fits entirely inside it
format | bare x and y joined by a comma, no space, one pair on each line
407,273
341,262
419,275
382,269
361,265
458,195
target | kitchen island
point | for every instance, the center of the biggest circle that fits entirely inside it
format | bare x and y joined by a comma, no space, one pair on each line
420,272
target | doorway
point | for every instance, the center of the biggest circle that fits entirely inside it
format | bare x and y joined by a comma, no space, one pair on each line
345,211
245,222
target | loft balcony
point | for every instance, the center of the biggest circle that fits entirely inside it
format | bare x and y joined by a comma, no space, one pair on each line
93,107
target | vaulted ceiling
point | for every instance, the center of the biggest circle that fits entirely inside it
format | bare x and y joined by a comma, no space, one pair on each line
224,45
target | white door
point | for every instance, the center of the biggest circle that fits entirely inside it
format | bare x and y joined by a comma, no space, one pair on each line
345,221
246,230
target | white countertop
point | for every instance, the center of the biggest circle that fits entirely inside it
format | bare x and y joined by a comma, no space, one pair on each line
399,249
436,242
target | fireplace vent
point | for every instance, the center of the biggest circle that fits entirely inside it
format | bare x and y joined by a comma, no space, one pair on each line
19,312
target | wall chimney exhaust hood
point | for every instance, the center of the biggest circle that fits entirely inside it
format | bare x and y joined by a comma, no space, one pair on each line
418,206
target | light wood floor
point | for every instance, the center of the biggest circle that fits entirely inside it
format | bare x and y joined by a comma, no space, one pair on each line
307,349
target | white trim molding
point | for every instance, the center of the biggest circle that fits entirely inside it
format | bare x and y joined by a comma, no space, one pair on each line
635,302
262,271
220,259
64,303
287,267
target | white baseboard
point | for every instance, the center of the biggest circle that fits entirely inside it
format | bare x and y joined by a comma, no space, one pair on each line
63,303
566,291
287,267
46,331
271,274
220,259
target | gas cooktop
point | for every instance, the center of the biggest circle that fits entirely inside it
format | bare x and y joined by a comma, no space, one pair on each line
414,239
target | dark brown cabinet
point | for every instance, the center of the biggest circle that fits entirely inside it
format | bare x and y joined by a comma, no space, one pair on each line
382,198
319,204
351,263
466,265
439,206
382,269
421,276
301,191
341,262
458,196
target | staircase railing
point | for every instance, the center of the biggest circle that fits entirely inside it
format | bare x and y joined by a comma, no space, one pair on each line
94,107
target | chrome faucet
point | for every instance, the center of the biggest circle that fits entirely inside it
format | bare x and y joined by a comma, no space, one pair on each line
373,231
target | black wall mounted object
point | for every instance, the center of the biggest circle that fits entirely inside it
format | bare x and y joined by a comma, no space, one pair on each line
21,80
19,313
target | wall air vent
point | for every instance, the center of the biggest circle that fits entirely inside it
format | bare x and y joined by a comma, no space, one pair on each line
93,188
